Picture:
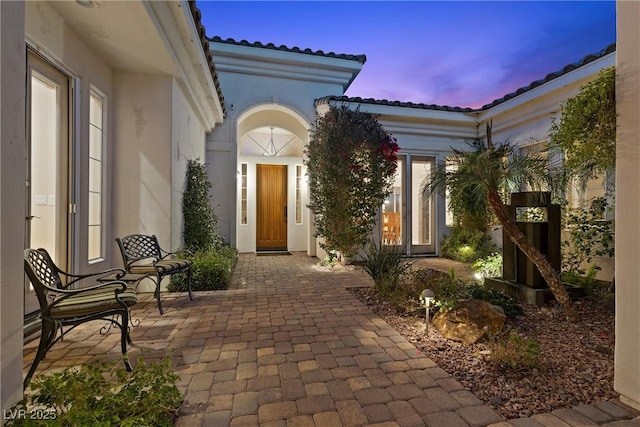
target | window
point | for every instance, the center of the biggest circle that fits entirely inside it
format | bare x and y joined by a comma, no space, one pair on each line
96,176
298,194
579,196
243,193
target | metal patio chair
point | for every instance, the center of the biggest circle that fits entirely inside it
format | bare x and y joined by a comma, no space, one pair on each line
142,254
63,305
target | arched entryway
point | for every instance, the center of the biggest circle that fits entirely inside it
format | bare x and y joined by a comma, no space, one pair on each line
272,191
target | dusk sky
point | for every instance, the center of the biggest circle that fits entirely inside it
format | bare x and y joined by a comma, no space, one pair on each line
463,54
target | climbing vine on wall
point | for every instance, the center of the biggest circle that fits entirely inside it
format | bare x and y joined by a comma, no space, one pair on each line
586,128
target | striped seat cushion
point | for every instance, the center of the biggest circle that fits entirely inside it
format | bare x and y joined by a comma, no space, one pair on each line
92,301
164,266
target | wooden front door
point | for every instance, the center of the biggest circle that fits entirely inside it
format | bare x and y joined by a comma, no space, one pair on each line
272,207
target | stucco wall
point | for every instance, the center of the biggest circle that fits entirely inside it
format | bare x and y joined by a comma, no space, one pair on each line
142,156
627,352
187,137
222,172
12,198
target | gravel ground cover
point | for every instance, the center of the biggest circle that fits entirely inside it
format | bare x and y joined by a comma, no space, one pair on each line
575,364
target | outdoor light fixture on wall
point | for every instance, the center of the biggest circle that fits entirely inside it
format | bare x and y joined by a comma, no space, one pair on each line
270,150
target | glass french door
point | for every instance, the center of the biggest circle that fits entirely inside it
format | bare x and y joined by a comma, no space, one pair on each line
423,218
47,183
393,210
408,218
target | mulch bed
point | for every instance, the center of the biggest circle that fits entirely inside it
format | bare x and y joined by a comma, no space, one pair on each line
575,364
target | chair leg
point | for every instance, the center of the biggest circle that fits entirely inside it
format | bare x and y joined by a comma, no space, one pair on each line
47,335
189,284
158,282
124,337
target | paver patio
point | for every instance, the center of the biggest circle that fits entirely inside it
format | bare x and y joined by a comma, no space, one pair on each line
289,345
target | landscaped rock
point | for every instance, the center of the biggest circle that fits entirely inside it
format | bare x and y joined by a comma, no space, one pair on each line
470,321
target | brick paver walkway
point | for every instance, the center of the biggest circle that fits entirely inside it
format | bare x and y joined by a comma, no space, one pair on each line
289,345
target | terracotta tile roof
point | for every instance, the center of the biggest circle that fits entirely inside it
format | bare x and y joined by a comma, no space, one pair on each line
551,76
202,32
360,58
359,100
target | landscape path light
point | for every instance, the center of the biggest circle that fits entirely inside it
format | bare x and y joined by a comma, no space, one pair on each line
427,296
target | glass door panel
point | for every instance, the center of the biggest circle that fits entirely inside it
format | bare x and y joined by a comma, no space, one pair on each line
393,211
47,180
422,209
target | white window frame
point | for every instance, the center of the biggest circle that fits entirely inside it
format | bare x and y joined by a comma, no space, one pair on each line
299,180
244,194
95,93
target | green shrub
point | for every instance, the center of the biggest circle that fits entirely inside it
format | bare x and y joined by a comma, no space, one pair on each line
211,270
351,161
489,266
447,288
466,245
590,236
102,394
587,281
200,220
509,305
514,352
386,265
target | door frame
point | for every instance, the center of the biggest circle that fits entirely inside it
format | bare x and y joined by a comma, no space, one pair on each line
42,64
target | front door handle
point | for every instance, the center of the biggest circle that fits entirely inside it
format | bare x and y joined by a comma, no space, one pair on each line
30,217
285,214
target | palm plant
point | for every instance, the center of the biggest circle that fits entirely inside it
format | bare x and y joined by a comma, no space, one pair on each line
489,171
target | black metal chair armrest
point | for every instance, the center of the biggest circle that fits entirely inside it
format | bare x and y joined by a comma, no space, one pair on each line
167,254
78,277
78,291
64,294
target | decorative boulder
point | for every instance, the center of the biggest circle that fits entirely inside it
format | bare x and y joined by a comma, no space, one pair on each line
470,321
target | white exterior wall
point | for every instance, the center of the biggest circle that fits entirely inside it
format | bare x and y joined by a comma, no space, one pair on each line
12,199
187,136
142,161
627,352
157,132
